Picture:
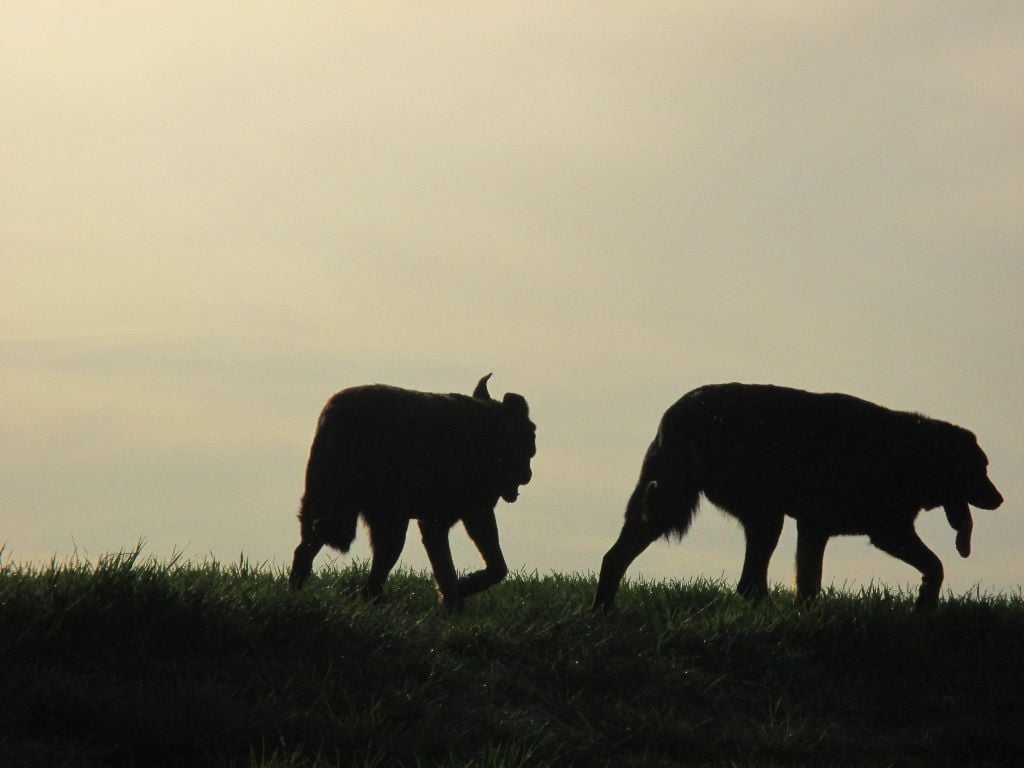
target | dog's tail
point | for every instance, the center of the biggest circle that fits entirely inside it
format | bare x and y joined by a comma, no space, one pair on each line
331,524
667,495
326,510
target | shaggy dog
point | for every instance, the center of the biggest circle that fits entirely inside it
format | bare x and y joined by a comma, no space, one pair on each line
392,455
837,464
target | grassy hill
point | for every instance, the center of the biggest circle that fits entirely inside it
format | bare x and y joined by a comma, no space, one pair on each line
142,663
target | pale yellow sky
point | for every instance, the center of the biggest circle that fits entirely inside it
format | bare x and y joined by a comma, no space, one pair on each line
214,217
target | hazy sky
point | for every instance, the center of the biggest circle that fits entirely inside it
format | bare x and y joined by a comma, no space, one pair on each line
213,216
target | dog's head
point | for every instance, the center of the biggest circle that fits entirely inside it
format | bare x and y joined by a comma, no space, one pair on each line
516,443
968,473
966,485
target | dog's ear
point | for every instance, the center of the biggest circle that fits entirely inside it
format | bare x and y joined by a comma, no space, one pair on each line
959,517
516,404
481,393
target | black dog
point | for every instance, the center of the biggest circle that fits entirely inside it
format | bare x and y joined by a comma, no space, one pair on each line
837,464
392,455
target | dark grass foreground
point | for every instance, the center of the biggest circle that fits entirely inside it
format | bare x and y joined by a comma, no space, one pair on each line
140,663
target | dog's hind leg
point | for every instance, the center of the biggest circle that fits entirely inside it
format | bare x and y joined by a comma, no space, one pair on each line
387,538
635,537
302,561
810,551
904,544
762,537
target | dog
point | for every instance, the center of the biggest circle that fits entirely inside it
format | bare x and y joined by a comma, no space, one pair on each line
837,464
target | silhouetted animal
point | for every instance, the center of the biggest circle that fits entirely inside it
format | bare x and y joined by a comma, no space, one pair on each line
392,455
837,464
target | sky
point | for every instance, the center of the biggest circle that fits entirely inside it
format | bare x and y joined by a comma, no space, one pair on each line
214,216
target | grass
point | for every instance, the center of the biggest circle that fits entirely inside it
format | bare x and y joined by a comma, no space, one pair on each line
132,662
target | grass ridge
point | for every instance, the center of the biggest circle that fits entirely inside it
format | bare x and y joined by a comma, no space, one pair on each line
130,661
